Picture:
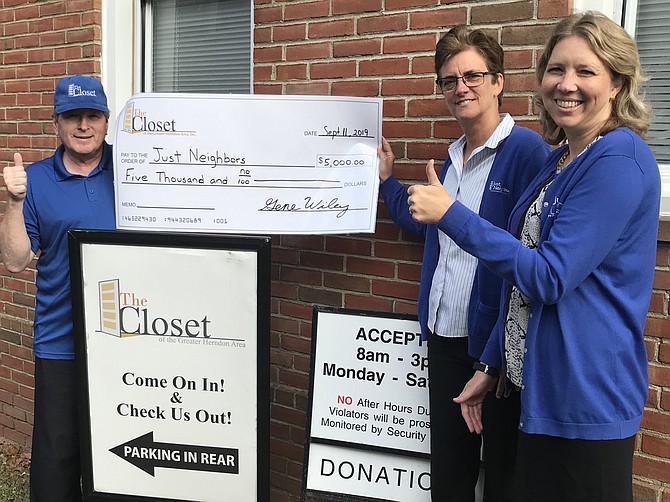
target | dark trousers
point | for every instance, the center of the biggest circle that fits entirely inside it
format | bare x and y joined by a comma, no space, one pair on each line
55,469
554,469
455,451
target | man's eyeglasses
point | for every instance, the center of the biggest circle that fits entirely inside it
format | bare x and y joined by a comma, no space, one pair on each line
471,79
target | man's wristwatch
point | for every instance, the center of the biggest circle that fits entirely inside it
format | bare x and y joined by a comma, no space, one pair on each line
485,368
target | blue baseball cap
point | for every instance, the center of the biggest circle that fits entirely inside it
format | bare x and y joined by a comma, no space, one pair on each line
79,91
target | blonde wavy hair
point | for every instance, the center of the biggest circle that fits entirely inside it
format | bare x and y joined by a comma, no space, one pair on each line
618,51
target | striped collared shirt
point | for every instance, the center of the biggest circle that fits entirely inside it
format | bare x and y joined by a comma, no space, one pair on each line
453,279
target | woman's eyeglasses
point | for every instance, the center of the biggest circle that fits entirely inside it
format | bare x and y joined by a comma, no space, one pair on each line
471,79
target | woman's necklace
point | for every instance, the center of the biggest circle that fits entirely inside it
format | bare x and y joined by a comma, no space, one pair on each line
562,161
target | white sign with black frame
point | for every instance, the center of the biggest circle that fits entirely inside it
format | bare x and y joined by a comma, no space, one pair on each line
172,345
368,431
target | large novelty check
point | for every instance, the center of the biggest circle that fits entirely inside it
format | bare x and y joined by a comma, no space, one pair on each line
247,164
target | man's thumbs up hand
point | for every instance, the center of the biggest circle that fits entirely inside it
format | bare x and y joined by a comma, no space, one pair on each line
16,179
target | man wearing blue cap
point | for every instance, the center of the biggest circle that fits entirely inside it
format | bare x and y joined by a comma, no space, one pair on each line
71,189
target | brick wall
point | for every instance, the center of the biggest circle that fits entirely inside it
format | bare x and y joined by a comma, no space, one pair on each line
333,47
652,459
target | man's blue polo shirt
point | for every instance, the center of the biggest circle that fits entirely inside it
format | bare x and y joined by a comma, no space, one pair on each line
57,201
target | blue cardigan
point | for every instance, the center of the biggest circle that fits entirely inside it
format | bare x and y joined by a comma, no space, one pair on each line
589,281
518,160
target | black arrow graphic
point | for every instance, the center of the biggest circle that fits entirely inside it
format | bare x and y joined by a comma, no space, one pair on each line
146,454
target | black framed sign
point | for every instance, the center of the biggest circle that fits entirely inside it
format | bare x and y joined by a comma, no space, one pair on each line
368,430
172,349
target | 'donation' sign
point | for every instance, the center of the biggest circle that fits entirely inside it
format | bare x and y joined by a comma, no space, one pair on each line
369,423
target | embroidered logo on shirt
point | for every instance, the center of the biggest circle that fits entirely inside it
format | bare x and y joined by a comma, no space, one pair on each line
555,208
496,186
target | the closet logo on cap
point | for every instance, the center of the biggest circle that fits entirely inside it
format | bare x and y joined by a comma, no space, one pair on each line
76,90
